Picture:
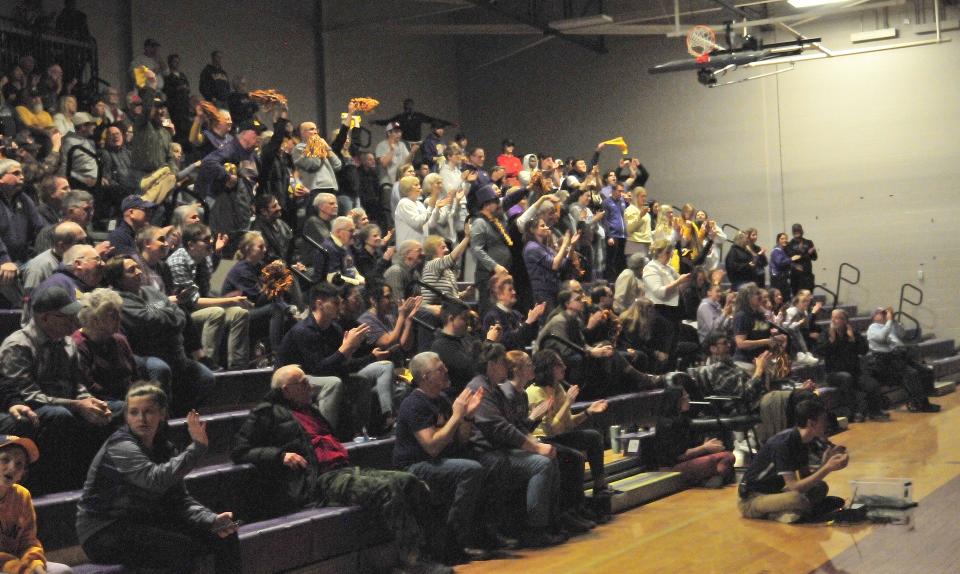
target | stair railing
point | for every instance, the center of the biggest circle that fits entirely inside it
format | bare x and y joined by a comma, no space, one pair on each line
901,314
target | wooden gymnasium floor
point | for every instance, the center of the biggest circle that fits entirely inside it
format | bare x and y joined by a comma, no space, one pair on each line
701,531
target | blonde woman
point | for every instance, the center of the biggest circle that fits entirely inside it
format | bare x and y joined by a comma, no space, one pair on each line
444,223
561,428
412,215
267,316
662,284
639,231
668,229
63,119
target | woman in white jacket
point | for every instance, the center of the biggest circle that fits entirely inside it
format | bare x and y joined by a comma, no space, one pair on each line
662,284
444,221
412,215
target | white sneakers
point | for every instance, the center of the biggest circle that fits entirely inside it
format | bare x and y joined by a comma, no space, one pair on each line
806,359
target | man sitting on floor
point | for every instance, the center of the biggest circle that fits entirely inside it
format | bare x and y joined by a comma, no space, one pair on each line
779,485
300,463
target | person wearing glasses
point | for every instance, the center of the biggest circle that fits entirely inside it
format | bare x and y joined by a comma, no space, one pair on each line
299,462
135,213
76,207
191,267
19,225
80,272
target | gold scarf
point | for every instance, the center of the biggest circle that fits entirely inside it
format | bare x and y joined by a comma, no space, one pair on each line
495,221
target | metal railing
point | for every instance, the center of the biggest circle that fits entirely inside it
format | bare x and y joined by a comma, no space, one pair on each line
720,245
724,227
78,57
841,280
823,287
900,314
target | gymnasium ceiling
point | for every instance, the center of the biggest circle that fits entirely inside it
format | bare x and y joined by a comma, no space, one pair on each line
589,22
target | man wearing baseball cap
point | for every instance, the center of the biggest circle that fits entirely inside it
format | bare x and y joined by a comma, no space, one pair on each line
40,386
83,166
391,153
151,155
232,190
135,211
151,60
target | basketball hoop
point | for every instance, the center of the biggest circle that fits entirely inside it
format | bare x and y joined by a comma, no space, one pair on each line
701,40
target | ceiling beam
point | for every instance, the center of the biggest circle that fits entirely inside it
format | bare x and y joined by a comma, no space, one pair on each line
463,29
592,44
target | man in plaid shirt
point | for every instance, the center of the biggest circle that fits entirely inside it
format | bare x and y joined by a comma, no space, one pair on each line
191,267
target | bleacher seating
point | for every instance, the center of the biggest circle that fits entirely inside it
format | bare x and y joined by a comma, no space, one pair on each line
325,534
336,536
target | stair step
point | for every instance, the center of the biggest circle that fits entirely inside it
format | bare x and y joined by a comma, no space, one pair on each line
615,469
941,388
937,348
643,488
946,367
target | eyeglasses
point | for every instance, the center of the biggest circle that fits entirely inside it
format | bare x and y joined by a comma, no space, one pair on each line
95,258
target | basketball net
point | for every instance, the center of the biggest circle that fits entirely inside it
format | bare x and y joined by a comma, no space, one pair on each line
701,40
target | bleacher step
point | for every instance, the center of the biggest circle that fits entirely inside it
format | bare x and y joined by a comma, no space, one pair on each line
941,388
946,367
643,488
936,348
615,469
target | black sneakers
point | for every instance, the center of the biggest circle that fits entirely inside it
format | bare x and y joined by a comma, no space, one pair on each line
926,407
541,538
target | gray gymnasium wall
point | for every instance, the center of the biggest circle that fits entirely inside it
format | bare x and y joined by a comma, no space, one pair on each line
271,43
860,149
366,61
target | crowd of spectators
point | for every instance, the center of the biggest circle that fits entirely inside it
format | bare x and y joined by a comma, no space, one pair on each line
117,214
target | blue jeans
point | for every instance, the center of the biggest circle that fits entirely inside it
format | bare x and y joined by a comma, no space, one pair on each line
155,369
380,373
511,467
457,482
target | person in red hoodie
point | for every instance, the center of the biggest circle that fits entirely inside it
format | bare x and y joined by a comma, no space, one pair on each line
511,163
